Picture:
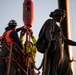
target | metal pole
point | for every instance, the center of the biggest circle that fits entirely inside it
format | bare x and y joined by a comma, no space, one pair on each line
9,60
64,25
64,4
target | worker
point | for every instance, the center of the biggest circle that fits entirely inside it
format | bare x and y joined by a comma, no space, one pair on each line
10,35
31,51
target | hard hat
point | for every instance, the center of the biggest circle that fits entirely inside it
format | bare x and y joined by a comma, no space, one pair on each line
12,23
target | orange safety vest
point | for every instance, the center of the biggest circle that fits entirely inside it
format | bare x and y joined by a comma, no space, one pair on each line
8,39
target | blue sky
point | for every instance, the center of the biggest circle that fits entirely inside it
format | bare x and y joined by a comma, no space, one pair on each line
73,29
13,9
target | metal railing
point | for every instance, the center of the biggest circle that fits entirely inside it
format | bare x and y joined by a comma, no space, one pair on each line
10,57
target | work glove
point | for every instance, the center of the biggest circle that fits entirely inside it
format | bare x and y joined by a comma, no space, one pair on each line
30,30
23,28
31,33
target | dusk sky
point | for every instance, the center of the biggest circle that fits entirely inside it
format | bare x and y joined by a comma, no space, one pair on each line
13,9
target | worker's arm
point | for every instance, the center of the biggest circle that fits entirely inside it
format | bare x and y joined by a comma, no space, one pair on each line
20,28
14,35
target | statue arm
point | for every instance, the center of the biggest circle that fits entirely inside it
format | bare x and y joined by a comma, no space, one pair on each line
69,42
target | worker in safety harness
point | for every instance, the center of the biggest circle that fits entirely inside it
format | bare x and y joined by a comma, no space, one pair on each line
10,35
31,50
